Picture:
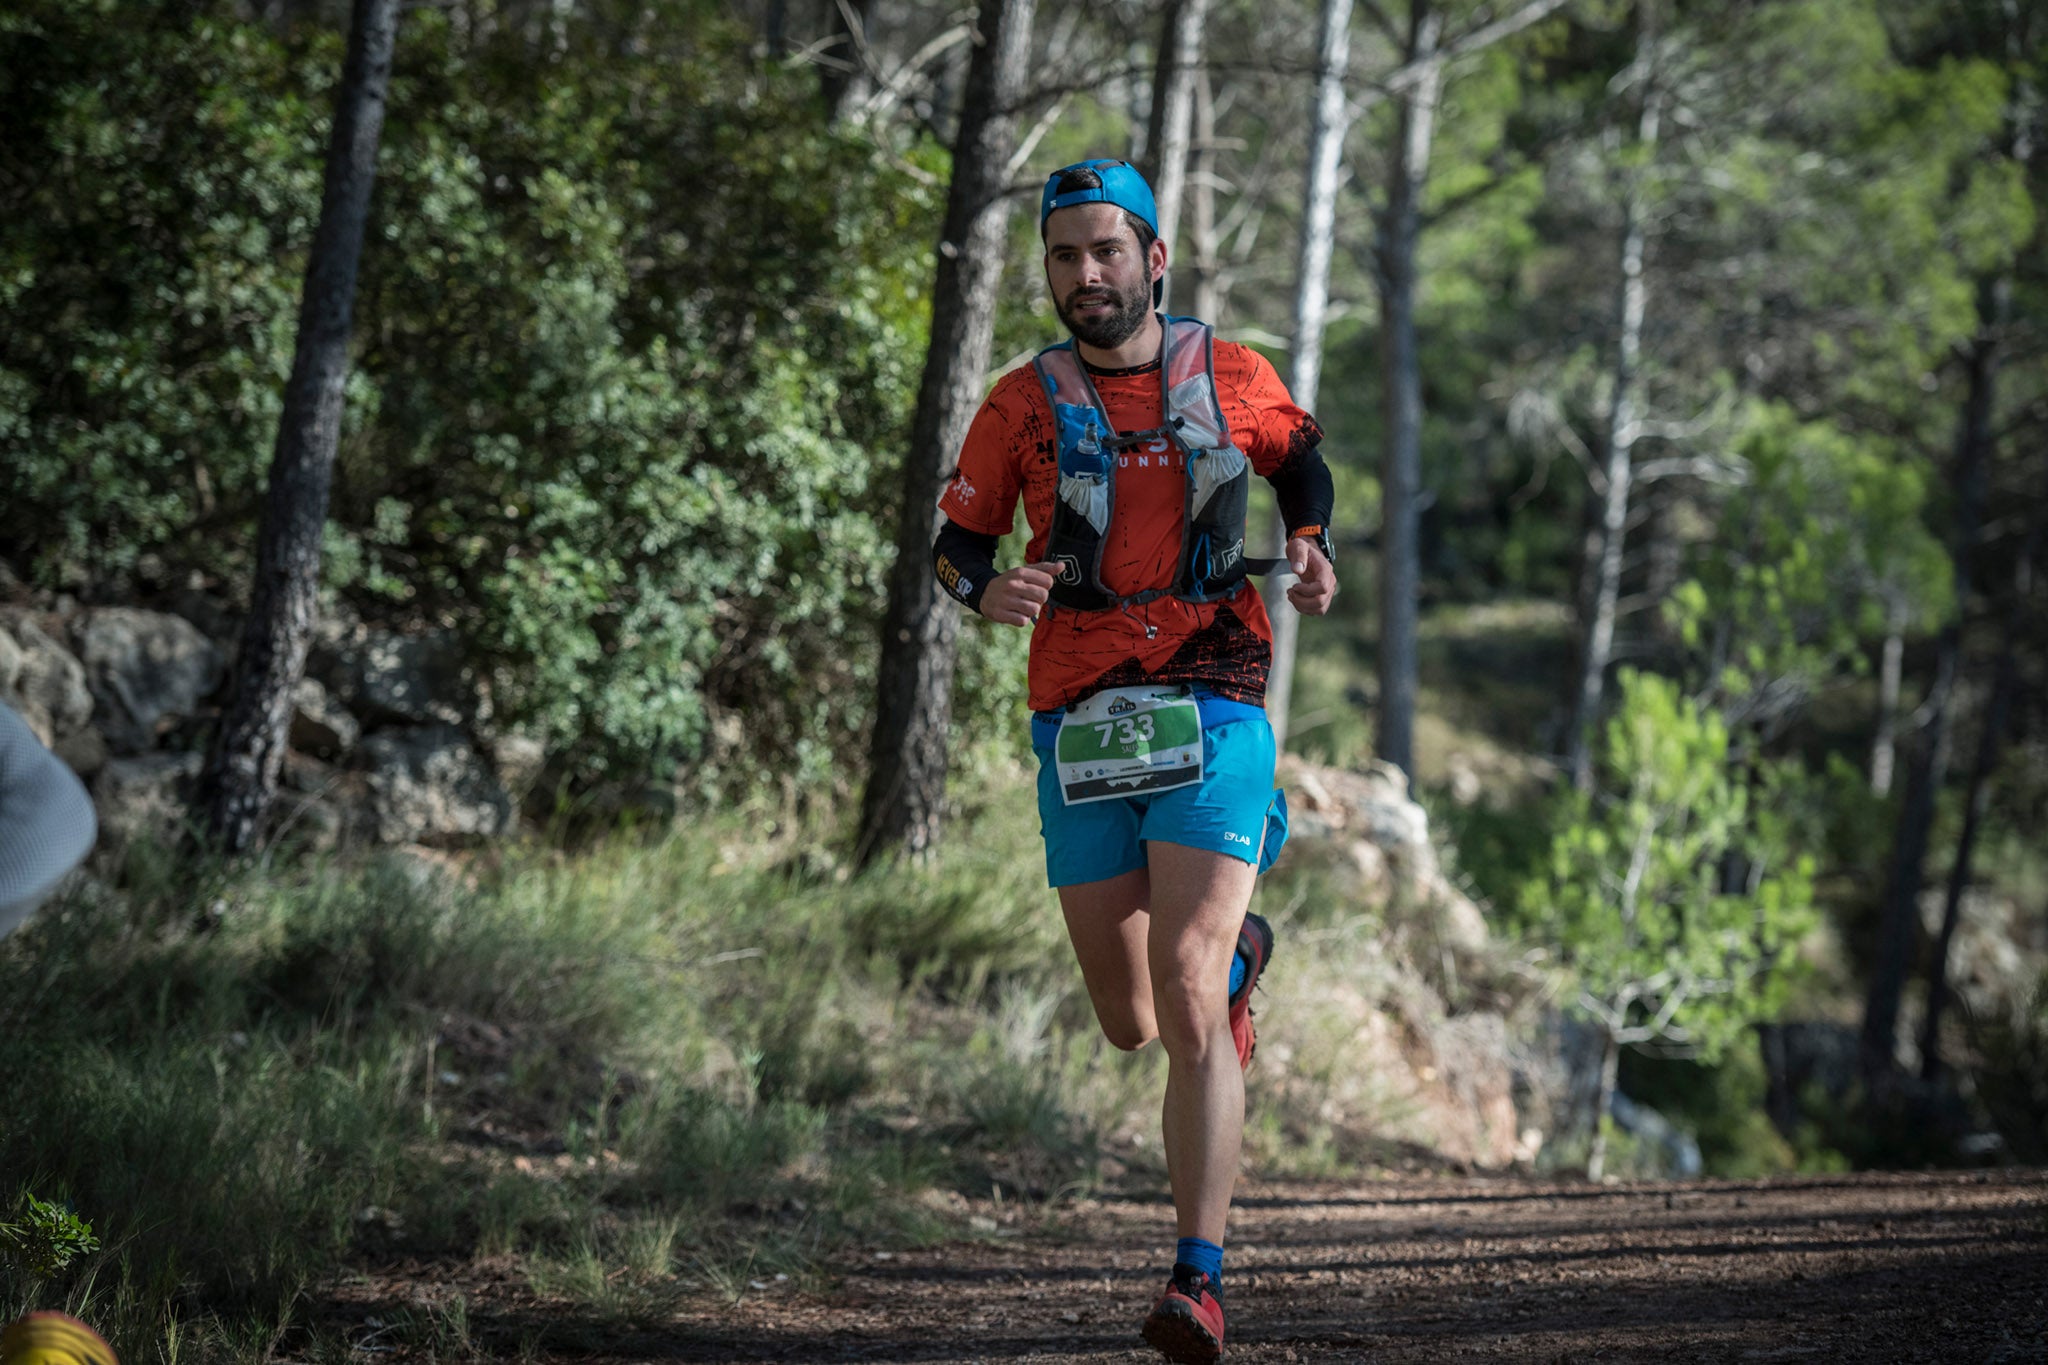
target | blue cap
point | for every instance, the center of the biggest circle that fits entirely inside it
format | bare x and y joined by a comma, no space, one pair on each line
1121,186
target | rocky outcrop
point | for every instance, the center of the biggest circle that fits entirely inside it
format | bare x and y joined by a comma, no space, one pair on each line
389,679
1393,1048
1375,840
41,680
147,797
520,760
390,734
429,785
146,670
320,725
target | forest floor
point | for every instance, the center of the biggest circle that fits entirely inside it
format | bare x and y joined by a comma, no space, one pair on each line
1866,1268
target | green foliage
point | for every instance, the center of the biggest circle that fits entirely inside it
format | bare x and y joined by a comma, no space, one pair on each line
163,173
1722,1105
1659,954
1824,545
44,1237
637,344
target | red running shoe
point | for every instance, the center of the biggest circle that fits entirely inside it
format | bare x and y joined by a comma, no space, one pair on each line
1255,946
1186,1325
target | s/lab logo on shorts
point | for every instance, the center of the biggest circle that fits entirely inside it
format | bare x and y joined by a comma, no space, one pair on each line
1231,836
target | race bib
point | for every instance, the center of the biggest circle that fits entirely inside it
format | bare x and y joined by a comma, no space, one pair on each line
1129,741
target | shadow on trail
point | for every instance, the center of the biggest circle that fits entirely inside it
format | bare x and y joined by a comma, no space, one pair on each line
1568,1194
1900,1311
1765,1316
1947,1271
1465,1260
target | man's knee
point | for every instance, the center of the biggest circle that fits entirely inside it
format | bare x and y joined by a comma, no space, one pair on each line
1127,1035
1190,1018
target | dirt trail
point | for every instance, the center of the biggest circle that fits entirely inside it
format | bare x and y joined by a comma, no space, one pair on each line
1948,1267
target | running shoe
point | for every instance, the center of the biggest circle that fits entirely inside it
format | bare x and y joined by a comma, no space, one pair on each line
1186,1325
1255,946
53,1339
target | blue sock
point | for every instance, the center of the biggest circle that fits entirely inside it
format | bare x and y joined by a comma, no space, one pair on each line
1206,1257
1236,972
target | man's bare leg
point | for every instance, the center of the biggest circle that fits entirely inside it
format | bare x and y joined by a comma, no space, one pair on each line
1199,900
1165,973
1108,925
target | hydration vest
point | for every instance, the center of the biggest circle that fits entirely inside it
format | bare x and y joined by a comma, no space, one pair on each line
1211,564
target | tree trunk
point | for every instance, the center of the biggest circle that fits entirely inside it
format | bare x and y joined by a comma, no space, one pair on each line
1884,747
241,772
1401,454
842,76
1208,297
1900,915
1168,127
1328,120
914,695
1596,640
1603,1106
1990,745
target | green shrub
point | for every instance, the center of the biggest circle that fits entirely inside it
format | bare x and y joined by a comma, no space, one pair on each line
637,344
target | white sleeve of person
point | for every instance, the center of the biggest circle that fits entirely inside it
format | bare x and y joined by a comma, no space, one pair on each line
46,821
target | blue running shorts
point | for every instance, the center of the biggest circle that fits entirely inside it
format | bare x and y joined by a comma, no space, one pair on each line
1235,810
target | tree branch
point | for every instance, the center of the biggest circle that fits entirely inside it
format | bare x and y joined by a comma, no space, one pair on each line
1402,77
1703,467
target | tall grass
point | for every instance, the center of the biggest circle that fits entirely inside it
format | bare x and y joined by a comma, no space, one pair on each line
643,1070
243,1080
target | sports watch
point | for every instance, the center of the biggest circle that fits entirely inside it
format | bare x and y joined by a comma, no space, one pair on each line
1318,536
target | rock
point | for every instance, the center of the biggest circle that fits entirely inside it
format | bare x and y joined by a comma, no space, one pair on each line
1390,819
308,822
1459,925
1466,786
145,797
302,773
12,660
319,806
85,752
217,619
1473,1088
1674,1152
389,679
146,670
427,784
1995,956
48,690
1371,864
1372,803
519,760
319,724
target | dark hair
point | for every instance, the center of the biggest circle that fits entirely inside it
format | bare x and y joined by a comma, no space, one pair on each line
1081,178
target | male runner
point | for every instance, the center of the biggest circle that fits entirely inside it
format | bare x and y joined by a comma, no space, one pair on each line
1130,447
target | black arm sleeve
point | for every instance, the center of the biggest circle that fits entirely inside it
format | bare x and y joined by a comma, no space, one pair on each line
965,561
1303,489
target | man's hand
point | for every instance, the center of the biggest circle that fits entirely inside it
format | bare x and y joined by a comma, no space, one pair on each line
1316,581
1015,598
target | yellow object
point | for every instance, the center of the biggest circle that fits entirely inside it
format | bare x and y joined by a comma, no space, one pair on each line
53,1339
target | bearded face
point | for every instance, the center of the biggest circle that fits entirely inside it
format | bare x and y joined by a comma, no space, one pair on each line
1099,273
1106,315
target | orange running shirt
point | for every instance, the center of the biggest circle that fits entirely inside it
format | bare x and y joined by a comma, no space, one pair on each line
1011,453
